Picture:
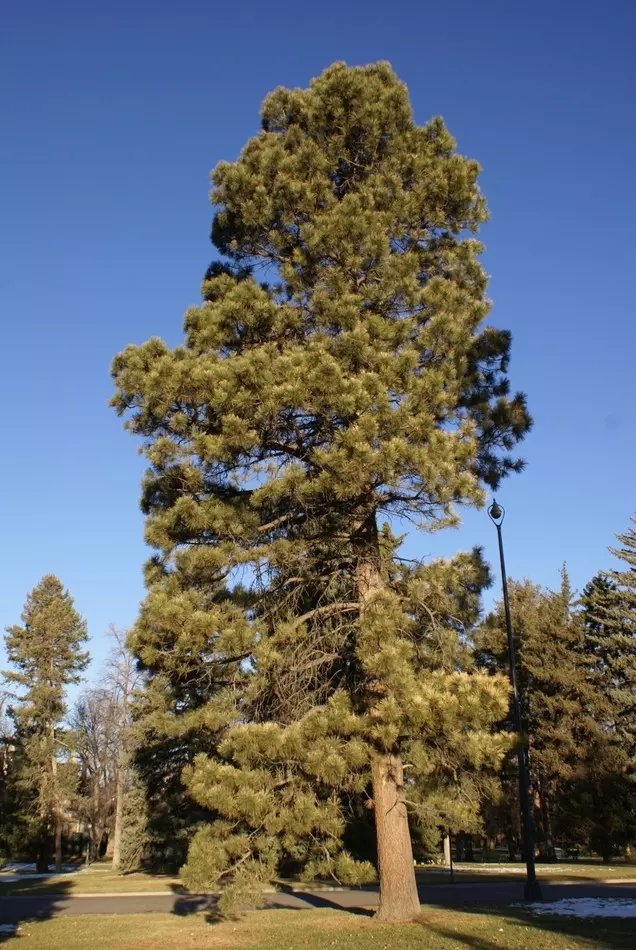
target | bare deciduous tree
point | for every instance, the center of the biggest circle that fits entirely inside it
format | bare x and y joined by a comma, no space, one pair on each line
102,724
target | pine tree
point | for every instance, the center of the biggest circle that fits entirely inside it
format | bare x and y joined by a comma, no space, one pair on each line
134,826
609,614
458,774
606,803
183,668
165,744
45,651
557,702
357,385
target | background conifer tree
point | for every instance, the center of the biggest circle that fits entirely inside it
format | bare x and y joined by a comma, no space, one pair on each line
46,653
558,703
604,798
337,375
609,614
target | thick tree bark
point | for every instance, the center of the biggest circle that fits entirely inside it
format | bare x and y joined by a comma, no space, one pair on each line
447,849
399,899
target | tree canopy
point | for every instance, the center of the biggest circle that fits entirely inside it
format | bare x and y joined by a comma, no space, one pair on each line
337,375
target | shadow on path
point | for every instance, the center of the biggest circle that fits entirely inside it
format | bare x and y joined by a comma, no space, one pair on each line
314,899
19,909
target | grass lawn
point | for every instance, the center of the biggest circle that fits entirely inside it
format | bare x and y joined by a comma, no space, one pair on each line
92,882
322,929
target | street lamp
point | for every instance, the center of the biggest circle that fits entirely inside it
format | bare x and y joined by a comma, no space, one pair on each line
532,889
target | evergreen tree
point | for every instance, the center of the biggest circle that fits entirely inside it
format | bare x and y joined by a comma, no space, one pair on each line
183,666
557,702
598,803
606,794
449,788
164,746
45,651
134,826
609,615
357,385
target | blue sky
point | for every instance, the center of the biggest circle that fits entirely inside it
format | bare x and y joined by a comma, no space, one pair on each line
112,117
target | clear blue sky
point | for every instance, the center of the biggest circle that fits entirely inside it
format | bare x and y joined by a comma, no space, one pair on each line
111,117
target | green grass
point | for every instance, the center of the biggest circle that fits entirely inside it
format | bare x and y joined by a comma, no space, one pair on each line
92,882
326,930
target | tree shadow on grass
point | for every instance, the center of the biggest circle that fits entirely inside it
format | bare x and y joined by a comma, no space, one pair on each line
17,910
314,899
608,933
186,904
292,899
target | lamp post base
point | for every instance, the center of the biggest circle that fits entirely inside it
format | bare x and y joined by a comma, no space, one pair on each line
532,891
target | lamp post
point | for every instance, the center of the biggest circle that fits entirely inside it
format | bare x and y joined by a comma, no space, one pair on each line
532,889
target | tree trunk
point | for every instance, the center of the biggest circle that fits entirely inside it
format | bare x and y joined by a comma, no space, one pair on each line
42,860
119,812
549,852
57,821
122,763
96,825
109,844
399,899
58,843
447,849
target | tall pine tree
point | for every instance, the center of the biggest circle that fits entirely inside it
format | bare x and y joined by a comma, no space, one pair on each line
46,653
356,384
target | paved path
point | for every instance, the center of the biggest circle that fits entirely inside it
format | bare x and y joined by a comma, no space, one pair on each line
23,907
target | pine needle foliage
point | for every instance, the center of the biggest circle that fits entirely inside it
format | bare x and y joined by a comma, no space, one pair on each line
337,374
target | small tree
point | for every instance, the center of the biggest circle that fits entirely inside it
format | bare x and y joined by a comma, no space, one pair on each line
133,839
104,738
123,678
46,652
356,386
95,725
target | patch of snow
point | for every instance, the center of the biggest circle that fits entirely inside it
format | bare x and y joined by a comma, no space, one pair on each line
585,907
17,870
575,869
